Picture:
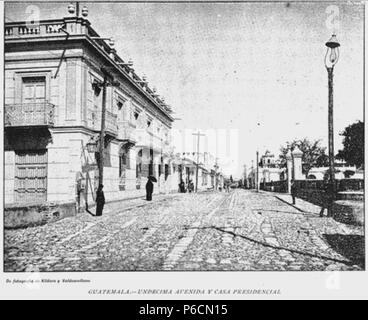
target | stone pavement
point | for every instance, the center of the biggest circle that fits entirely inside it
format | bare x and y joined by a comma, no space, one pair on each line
240,231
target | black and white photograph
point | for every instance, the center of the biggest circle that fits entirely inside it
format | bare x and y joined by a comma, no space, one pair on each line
183,137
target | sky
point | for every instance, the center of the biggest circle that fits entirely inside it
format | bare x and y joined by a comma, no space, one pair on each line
250,74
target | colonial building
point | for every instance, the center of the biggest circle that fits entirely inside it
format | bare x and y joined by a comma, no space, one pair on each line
270,169
209,173
58,75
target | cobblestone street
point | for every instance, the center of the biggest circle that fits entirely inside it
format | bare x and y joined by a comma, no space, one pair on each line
242,230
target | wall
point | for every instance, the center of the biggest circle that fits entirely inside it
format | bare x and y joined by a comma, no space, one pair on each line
35,215
276,186
9,176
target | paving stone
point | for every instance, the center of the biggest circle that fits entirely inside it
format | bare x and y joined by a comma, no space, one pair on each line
186,232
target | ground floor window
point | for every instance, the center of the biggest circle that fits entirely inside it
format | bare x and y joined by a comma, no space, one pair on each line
150,169
30,183
167,171
204,178
159,170
124,165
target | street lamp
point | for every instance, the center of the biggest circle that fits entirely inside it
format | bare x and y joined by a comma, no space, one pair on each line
92,147
331,58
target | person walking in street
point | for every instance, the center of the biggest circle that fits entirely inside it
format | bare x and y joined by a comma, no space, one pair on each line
191,186
227,186
100,200
182,186
149,189
79,190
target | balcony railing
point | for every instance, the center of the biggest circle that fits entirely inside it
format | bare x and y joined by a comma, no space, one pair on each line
111,124
38,29
52,28
127,133
29,114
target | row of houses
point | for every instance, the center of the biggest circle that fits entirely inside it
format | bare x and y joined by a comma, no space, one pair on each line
270,169
54,72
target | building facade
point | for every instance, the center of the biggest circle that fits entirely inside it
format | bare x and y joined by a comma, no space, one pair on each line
209,172
53,112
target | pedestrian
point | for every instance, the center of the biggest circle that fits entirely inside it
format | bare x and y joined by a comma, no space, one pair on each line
327,197
100,200
182,186
149,190
292,190
227,185
79,190
191,186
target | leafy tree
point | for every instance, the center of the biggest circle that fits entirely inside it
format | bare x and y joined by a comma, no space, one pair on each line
313,154
353,150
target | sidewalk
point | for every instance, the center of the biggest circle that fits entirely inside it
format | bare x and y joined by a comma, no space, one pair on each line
300,204
118,206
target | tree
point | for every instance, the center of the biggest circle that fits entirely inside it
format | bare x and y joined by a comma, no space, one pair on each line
353,145
313,154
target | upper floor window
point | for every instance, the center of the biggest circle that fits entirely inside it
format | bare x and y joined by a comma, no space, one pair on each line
119,105
97,97
33,89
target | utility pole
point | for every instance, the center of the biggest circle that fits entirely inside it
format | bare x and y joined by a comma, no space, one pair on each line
257,173
102,134
216,168
199,135
108,81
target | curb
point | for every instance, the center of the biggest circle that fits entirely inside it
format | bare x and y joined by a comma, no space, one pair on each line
127,208
169,196
290,204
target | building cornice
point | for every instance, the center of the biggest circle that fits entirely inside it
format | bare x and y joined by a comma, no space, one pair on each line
101,51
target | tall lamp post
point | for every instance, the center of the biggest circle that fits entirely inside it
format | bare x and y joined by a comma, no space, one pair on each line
331,58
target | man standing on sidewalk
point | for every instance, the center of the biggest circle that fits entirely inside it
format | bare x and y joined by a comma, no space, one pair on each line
100,200
149,189
327,197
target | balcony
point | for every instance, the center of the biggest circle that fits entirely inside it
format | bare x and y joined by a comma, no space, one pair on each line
127,133
29,114
46,29
22,29
111,122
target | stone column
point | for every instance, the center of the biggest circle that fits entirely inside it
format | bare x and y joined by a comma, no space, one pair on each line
297,164
289,166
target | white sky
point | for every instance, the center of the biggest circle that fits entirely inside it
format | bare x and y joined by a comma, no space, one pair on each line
256,68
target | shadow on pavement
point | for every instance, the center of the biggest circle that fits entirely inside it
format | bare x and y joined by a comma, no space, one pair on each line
276,247
304,213
350,246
